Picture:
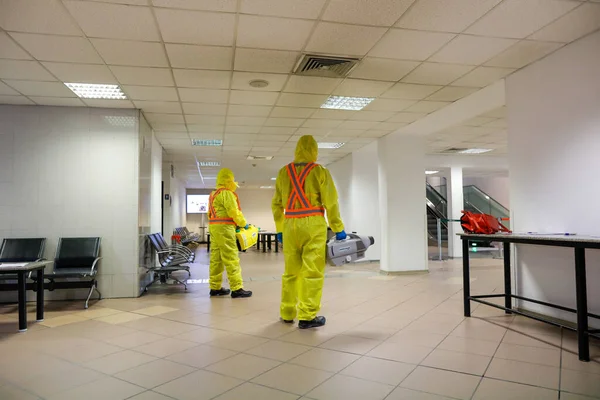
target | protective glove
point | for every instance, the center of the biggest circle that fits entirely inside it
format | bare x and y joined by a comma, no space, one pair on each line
247,226
280,237
341,235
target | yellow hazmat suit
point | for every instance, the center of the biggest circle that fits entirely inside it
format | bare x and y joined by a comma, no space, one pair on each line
305,237
224,252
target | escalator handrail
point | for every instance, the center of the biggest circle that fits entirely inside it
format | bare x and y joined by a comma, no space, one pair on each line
488,197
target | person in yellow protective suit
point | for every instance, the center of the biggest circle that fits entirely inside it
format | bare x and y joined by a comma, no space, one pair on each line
224,215
304,192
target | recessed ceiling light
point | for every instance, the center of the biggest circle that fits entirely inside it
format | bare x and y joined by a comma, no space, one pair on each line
204,142
209,163
347,103
475,151
267,187
330,145
258,83
97,91
260,158
431,172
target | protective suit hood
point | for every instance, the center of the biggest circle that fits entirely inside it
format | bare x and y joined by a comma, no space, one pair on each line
307,150
226,180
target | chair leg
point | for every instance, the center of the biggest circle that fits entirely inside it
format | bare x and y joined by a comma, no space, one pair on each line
88,297
96,288
180,282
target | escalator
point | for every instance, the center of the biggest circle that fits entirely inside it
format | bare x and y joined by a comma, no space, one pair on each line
475,201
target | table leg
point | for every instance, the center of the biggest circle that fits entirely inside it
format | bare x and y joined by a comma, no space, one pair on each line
582,309
276,245
39,307
264,243
22,301
507,277
258,242
466,278
269,239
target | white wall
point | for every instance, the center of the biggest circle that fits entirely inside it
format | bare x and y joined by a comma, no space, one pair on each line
73,172
554,147
341,172
156,185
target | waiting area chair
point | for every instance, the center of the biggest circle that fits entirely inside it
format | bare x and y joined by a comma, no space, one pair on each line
76,258
19,250
170,259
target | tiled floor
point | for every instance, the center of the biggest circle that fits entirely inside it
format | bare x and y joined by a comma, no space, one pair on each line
387,337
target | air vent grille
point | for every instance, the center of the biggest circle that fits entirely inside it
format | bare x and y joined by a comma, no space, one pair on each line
325,66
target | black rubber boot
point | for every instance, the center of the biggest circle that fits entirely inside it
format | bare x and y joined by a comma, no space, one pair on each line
287,321
240,293
220,292
314,323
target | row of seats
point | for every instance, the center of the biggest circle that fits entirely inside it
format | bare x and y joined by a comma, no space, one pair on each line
171,258
187,237
76,260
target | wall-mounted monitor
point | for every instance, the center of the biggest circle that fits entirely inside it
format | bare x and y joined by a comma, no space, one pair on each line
197,203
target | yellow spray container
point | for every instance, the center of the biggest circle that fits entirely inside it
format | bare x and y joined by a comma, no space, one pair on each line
247,237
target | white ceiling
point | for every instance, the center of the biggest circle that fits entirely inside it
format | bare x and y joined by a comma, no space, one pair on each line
187,63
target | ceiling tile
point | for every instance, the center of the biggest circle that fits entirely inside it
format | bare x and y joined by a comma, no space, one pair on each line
250,121
307,9
170,135
204,5
324,113
483,76
372,115
87,73
389,126
277,138
13,69
292,112
33,88
211,121
253,98
57,101
200,57
272,33
311,84
437,15
241,81
202,79
15,100
376,133
579,22
142,54
256,60
163,127
249,111
383,69
436,74
407,117
130,2
166,107
427,106
143,76
316,132
519,19
151,93
110,103
389,104
330,38
58,48
241,129
301,100
350,133
364,12
522,54
205,126
204,108
478,121
321,123
410,92
165,118
7,91
498,123
196,27
9,49
452,93
114,21
284,122
471,50
37,16
410,45
362,88
357,124
277,130
500,112
203,95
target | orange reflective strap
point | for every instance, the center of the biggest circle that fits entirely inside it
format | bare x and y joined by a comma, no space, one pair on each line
306,209
212,213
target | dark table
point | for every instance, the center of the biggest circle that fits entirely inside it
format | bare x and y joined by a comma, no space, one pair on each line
22,271
267,238
578,243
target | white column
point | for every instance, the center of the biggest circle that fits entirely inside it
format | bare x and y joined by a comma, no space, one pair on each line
455,206
402,203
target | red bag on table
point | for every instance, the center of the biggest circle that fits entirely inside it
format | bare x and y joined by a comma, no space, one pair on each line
484,224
